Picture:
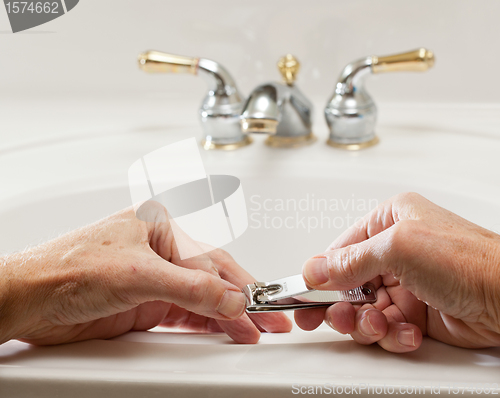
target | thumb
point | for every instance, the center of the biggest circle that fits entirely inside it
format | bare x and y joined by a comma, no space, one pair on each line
347,267
195,290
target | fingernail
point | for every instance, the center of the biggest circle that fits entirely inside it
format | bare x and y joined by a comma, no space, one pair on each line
328,321
366,328
316,271
232,304
406,337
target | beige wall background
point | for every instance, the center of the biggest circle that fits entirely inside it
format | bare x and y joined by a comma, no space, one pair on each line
92,50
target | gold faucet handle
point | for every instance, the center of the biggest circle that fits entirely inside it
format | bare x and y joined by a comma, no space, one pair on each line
158,62
289,67
414,61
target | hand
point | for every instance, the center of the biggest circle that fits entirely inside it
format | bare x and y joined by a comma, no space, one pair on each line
436,274
123,274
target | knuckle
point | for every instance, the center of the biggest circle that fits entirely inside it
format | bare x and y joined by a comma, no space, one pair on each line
152,211
200,288
221,256
409,197
349,257
223,263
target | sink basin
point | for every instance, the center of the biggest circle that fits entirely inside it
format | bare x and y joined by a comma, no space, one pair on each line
298,201
288,222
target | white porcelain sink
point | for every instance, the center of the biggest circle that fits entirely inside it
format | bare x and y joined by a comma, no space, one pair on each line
289,219
171,363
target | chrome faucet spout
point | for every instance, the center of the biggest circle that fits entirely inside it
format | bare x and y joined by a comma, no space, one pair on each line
279,110
261,112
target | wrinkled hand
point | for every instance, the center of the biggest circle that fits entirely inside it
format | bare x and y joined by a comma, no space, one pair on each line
436,274
123,274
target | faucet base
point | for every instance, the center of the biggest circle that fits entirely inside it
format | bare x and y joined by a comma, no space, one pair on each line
277,141
354,147
226,147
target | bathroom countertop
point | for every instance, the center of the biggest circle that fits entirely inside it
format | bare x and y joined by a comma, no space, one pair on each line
67,147
184,364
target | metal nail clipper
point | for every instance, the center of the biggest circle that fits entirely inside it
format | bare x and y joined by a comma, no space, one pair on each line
291,293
